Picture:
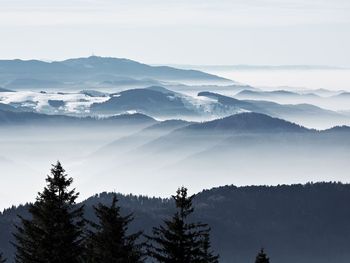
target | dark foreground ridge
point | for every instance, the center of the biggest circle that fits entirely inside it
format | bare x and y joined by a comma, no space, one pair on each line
295,223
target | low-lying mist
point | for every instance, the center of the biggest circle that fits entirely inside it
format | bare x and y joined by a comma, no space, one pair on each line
156,160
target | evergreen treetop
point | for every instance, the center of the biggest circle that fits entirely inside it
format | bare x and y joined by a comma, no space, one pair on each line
262,257
178,240
110,243
54,233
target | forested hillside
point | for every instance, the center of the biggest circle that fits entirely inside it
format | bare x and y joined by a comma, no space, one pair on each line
294,223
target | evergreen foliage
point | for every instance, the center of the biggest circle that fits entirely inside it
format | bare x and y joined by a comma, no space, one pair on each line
262,257
2,259
207,255
109,242
55,231
178,240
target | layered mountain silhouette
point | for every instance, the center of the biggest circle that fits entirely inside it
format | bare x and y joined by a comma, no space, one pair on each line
242,147
266,107
160,102
201,137
133,141
305,114
176,134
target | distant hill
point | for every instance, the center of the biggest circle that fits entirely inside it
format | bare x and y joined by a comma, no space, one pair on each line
130,82
6,107
249,122
161,102
5,90
338,129
30,83
125,144
262,106
196,138
254,94
177,142
234,142
168,125
343,95
56,103
31,118
228,101
154,101
304,114
294,223
35,74
130,68
94,93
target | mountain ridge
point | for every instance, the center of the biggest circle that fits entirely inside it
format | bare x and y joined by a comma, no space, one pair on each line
308,221
19,117
248,122
93,69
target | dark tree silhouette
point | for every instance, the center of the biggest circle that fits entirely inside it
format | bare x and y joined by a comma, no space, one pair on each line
2,259
54,233
207,255
180,241
262,257
109,242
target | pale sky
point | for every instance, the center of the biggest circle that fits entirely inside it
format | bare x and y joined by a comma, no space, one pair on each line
274,32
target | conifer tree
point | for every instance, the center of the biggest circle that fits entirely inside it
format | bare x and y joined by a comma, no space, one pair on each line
262,257
178,240
2,259
54,233
110,243
207,255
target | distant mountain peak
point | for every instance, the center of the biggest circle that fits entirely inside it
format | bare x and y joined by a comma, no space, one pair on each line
248,122
160,89
78,70
5,90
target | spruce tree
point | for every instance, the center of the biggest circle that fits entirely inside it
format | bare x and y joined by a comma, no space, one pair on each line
262,257
54,233
2,259
207,255
109,242
178,240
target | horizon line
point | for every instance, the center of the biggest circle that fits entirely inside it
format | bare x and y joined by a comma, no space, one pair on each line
185,65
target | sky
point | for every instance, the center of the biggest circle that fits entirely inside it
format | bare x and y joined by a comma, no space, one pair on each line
197,32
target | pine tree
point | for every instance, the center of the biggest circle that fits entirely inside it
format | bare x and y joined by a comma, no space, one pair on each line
54,234
2,259
206,253
178,241
109,243
262,257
